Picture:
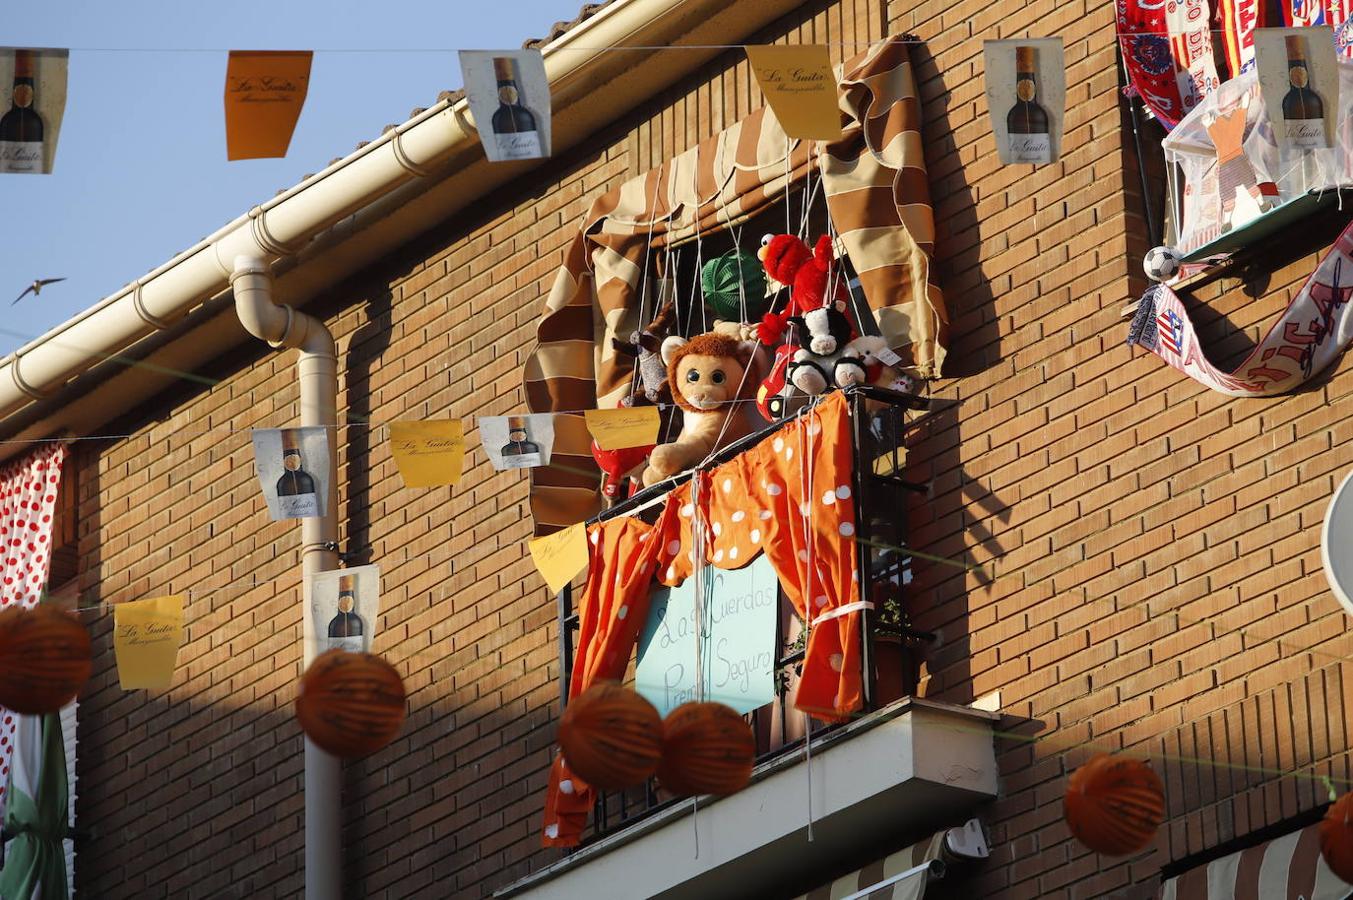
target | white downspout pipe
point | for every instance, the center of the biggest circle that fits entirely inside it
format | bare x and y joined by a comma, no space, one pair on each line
317,368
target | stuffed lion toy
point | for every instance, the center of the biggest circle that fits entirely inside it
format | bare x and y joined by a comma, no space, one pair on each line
707,374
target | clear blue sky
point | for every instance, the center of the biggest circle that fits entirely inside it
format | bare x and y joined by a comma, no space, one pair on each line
141,171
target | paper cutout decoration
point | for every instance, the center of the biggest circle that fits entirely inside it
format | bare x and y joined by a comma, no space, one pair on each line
517,442
342,610
800,88
32,103
293,469
510,101
560,556
1026,98
739,651
618,429
146,639
1299,75
264,93
428,454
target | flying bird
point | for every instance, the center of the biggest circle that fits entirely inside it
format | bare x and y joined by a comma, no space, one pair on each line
35,288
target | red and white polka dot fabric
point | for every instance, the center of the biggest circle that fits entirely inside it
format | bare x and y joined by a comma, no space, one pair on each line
28,489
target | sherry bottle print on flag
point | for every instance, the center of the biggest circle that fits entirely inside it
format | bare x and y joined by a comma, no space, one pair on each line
294,470
342,610
32,101
509,98
1026,97
1299,79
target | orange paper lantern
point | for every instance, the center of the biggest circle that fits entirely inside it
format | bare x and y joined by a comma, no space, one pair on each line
1336,837
707,748
44,659
350,704
1114,804
611,737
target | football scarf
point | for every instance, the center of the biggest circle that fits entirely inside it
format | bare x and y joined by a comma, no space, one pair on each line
1167,50
1314,13
1315,328
1239,19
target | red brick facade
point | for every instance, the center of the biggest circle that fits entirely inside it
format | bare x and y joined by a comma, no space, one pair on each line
1152,571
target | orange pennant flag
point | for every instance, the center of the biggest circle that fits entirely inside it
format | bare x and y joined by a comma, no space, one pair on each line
264,93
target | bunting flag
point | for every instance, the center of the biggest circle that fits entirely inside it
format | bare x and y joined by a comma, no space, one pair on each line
342,610
293,470
1026,98
800,86
264,93
1167,49
1312,332
428,454
509,96
517,442
32,103
146,638
620,429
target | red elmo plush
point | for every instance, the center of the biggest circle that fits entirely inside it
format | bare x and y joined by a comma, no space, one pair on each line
806,272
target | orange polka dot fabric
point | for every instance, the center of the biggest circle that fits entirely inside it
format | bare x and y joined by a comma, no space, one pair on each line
623,555
790,497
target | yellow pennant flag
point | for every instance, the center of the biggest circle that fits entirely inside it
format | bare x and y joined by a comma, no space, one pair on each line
264,93
616,429
561,555
146,638
428,454
800,87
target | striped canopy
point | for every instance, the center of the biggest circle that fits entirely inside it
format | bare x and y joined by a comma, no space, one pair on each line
875,184
1285,868
898,876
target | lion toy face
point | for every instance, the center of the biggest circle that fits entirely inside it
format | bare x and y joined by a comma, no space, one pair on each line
706,372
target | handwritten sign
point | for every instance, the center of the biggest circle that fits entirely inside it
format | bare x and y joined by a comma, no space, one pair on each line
428,454
561,555
800,87
264,93
146,638
617,429
738,657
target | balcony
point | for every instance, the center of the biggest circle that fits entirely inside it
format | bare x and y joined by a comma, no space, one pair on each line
903,767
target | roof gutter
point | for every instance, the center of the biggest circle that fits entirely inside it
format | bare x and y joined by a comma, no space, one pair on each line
421,156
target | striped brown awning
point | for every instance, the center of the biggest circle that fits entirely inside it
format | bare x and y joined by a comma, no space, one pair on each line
898,876
1285,868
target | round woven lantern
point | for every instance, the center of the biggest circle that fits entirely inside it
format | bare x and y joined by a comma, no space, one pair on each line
611,737
1336,837
1114,804
707,748
720,279
350,704
44,659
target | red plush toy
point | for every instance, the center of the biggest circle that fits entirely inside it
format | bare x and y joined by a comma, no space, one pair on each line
806,273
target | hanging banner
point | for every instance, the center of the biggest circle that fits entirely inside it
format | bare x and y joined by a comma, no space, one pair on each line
619,429
510,101
800,88
517,442
1026,98
428,454
1299,75
738,654
32,103
560,556
146,639
293,469
264,93
342,610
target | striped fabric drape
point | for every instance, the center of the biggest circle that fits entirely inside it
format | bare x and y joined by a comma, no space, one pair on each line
875,184
880,878
1285,868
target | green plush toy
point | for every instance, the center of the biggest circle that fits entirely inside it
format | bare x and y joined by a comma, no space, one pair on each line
719,279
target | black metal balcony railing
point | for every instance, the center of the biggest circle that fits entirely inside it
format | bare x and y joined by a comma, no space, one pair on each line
879,430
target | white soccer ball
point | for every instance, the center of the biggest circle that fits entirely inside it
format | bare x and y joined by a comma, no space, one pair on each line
1161,263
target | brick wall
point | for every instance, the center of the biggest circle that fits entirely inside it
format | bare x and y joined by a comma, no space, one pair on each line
1152,576
1150,549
